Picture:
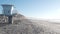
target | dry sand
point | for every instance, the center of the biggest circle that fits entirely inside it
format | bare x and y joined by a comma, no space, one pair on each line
27,26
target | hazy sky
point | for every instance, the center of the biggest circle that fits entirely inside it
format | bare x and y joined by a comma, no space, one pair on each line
47,9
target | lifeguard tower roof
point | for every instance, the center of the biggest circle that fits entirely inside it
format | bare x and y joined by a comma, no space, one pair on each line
7,5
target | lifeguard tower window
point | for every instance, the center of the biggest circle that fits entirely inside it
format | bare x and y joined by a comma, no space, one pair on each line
8,11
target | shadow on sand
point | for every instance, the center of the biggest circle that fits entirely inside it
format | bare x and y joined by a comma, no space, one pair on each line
4,24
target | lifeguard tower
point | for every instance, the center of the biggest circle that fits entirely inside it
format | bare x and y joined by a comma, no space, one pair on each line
7,11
